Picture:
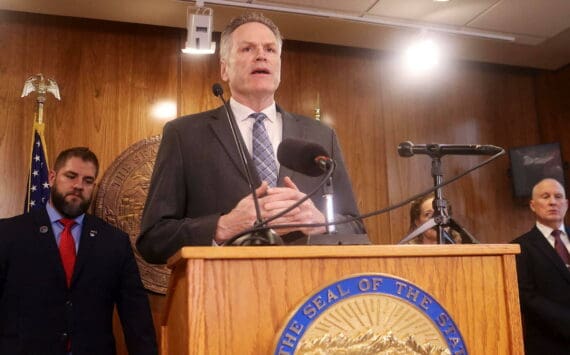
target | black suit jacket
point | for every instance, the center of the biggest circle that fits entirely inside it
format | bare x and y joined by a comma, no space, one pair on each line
544,286
198,176
37,310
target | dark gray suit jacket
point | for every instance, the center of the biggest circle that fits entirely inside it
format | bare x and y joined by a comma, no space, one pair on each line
38,312
198,176
544,286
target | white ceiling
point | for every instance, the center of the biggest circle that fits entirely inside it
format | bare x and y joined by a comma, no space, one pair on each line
541,28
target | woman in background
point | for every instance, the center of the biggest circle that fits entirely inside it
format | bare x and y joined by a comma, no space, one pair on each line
421,210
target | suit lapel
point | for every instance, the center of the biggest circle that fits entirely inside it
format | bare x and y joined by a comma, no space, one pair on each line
550,253
46,241
222,130
89,236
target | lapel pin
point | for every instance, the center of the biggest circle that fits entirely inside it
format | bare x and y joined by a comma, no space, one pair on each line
92,233
44,229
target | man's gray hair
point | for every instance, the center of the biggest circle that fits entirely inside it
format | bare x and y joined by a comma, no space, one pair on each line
226,42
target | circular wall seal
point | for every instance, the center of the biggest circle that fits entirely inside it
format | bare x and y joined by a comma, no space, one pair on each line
369,314
121,197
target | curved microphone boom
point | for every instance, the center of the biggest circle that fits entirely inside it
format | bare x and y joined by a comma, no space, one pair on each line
260,237
408,149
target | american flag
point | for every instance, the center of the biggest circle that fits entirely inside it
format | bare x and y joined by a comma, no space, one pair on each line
37,193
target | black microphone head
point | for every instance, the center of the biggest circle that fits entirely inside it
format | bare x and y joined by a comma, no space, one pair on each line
217,89
299,155
405,149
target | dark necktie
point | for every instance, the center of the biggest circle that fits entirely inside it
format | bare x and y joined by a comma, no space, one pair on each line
67,248
560,247
262,151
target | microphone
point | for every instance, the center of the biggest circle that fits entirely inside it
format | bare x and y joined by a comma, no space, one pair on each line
304,157
408,149
218,91
264,237
313,160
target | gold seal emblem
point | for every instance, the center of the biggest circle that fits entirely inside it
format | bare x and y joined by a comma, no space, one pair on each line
121,197
378,323
369,314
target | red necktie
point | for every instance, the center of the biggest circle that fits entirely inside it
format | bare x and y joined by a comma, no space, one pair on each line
560,247
67,248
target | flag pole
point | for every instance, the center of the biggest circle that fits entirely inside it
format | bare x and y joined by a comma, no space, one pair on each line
37,191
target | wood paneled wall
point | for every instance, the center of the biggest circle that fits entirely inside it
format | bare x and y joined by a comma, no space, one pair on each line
553,107
111,74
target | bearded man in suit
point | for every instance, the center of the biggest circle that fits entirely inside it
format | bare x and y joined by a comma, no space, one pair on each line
544,278
62,272
199,194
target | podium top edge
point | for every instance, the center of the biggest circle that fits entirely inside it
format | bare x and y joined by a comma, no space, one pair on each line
341,251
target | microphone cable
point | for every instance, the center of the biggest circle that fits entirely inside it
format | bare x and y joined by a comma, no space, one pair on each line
373,213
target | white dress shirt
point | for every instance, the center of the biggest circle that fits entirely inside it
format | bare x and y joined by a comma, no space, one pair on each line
547,232
273,125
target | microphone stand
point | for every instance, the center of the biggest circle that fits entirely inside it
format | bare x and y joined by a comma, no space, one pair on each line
284,212
265,236
441,219
424,227
329,205
331,237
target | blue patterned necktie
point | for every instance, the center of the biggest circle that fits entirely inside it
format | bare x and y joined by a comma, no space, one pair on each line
262,151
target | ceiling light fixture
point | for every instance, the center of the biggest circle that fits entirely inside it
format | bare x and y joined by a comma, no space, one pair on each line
422,56
199,22
366,19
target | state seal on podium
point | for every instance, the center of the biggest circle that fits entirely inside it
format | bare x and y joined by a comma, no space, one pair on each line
369,314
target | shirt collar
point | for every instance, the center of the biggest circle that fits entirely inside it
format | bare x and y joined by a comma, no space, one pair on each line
242,112
55,216
547,231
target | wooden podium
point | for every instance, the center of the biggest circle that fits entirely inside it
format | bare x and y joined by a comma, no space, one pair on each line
234,300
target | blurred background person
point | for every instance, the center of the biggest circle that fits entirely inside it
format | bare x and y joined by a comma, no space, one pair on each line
421,210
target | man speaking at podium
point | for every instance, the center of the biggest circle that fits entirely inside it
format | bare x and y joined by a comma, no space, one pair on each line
199,194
